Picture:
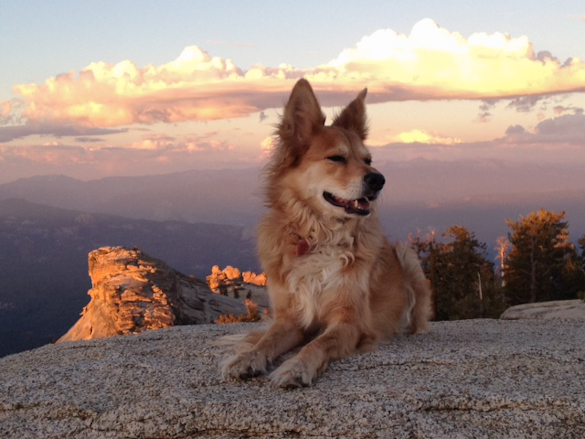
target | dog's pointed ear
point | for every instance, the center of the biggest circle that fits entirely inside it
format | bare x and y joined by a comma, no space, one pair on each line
302,118
353,117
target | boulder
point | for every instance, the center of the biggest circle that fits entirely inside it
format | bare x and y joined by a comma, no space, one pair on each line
464,379
133,292
560,309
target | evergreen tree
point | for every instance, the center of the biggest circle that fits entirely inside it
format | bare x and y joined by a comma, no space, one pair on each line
461,276
542,262
424,248
581,268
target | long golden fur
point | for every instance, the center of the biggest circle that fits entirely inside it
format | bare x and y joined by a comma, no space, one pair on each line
333,278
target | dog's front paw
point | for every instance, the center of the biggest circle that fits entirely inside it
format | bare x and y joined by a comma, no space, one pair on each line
292,374
244,365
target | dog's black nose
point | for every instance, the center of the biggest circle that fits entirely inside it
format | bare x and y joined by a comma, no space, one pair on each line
375,181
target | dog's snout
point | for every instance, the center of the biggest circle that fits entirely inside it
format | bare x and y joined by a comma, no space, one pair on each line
375,181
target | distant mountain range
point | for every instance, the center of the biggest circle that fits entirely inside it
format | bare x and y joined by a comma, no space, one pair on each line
236,196
194,220
217,197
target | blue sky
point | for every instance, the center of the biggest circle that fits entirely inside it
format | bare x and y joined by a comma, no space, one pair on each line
526,107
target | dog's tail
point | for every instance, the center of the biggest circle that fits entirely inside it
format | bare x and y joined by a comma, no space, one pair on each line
418,289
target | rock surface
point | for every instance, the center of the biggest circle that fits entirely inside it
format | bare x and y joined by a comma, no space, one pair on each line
465,379
560,309
133,292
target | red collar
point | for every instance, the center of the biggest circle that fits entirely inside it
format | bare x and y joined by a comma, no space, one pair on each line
303,246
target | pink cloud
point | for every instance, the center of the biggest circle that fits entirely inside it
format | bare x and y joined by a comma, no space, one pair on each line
183,144
568,129
153,154
32,127
428,64
5,108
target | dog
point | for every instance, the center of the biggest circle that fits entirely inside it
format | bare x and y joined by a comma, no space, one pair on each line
336,285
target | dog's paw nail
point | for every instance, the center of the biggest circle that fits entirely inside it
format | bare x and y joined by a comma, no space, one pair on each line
245,365
292,375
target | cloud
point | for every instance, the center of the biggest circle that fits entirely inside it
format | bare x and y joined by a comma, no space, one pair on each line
187,144
485,110
155,155
267,144
51,153
5,109
525,104
415,136
10,112
88,139
435,63
568,129
428,64
561,109
515,130
154,142
33,127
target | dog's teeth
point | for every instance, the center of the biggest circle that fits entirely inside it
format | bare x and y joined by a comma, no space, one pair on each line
356,204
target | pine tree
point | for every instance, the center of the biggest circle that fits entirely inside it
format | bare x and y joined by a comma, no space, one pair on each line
461,276
424,248
581,268
541,264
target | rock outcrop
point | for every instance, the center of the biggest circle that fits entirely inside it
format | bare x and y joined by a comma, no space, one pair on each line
133,292
251,278
465,379
560,309
232,282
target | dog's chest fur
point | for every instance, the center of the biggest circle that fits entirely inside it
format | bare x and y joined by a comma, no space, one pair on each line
317,275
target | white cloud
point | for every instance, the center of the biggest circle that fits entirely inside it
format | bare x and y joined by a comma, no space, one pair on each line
434,63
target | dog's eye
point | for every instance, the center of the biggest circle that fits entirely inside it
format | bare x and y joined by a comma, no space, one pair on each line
337,158
368,161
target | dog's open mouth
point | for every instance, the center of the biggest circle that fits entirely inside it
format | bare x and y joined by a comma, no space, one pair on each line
360,206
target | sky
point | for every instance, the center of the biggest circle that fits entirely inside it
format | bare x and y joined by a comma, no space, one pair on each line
101,88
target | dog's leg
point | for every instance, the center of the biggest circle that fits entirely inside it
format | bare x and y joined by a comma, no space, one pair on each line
417,288
281,337
422,311
339,340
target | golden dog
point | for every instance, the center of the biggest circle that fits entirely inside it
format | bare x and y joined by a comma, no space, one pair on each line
333,278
